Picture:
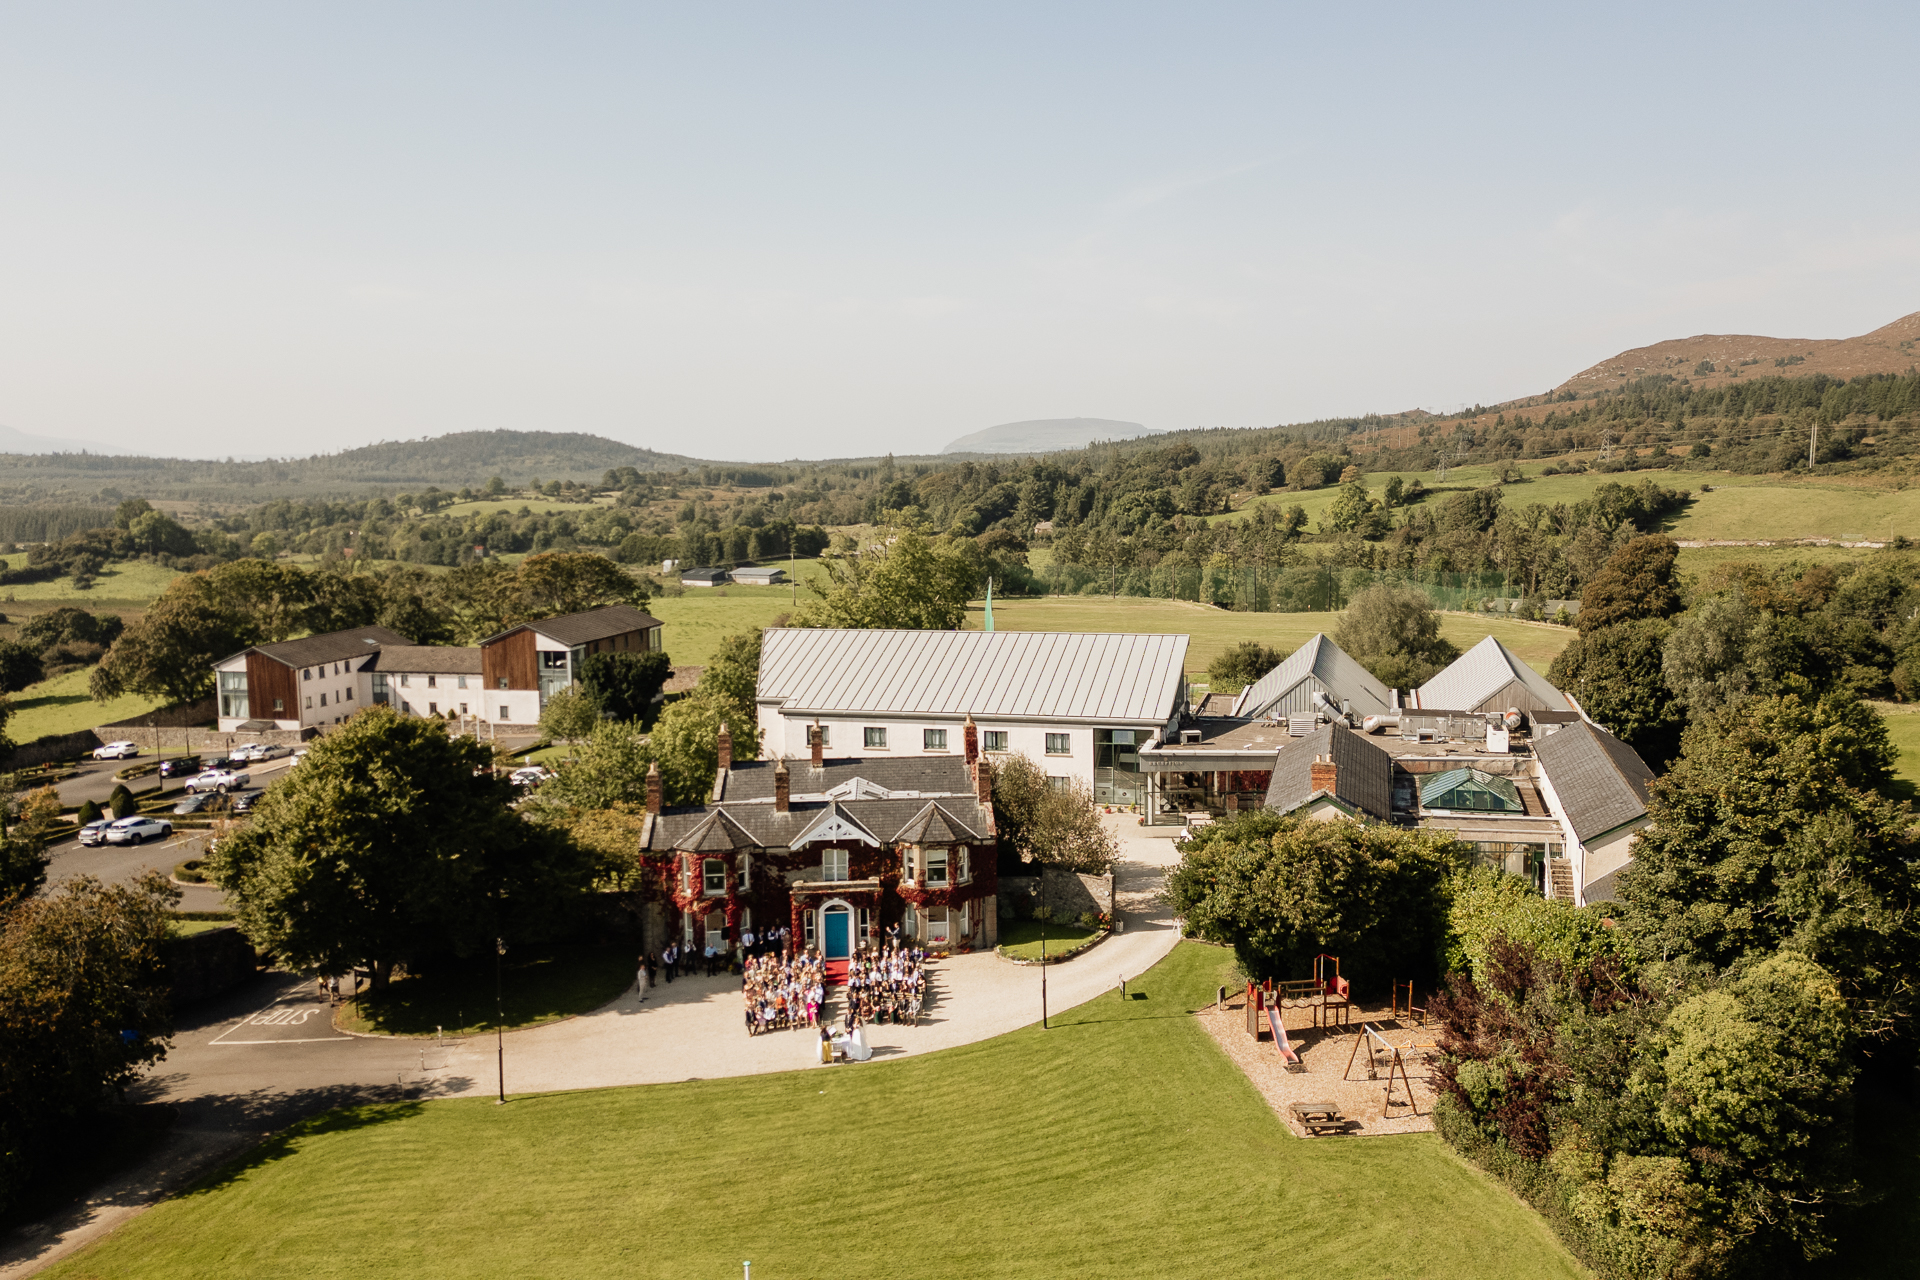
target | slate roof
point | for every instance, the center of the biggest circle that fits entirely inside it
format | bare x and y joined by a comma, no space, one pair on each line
574,629
1605,889
1326,662
333,646
1107,678
427,659
1363,772
934,825
752,780
718,832
764,827
1601,781
1481,672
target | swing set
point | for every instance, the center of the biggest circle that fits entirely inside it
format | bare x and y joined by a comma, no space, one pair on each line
1377,1047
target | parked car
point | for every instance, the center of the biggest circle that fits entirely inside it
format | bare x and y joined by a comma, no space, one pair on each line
531,776
95,833
180,766
245,801
116,751
245,751
138,829
270,751
192,803
221,780
219,762
298,756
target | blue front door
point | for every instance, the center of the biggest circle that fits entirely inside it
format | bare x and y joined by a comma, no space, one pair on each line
836,930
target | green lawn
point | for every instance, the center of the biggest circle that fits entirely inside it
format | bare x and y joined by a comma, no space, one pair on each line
133,583
1214,630
1121,1143
62,705
704,616
1739,506
1903,726
1020,939
538,984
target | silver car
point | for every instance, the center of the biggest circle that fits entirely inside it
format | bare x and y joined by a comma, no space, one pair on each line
138,830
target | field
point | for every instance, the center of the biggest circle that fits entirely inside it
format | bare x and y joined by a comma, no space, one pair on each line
1215,630
704,616
1739,506
132,584
61,705
1121,1143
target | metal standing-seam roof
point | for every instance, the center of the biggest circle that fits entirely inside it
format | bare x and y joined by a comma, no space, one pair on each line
1481,672
1600,780
1016,675
1327,662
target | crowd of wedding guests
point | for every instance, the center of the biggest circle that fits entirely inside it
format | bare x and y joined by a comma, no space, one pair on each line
785,990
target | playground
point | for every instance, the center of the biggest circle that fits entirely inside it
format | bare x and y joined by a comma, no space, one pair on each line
1335,1067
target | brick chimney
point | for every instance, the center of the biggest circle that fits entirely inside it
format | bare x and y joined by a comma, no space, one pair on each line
816,744
653,787
983,781
782,787
1324,774
970,735
726,748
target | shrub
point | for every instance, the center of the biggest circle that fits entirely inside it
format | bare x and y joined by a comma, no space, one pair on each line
121,803
1088,920
1042,912
89,812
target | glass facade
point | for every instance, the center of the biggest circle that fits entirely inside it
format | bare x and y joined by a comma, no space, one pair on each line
1116,766
233,695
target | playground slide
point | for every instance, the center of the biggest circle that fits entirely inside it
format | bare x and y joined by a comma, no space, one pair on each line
1280,1041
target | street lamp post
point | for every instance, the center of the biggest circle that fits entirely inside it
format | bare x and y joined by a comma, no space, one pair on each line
499,1020
1043,972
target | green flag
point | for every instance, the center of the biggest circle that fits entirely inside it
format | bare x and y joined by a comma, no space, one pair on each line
989,623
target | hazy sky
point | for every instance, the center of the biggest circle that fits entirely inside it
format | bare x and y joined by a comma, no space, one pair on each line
773,231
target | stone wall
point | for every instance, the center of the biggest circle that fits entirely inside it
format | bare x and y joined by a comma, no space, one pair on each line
1069,893
203,965
63,746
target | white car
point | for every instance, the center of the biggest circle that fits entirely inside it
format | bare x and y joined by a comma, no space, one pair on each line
246,751
116,751
136,830
531,776
221,780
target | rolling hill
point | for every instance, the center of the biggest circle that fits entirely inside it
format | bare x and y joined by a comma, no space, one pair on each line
1892,348
1047,435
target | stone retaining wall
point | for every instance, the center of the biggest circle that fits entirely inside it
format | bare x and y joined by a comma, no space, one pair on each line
63,746
1069,893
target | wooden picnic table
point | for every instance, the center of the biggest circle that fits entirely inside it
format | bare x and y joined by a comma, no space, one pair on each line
1316,1117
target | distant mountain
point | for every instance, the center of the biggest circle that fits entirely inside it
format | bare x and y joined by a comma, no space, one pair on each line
12,441
1045,435
449,461
1894,348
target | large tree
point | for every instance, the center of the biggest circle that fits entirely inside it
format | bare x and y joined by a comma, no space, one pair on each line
1240,665
911,583
83,1007
170,652
624,685
1394,632
393,840
1768,832
1055,825
1637,581
1280,890
1617,675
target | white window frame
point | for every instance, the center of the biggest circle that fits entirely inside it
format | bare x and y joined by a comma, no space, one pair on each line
936,861
832,860
809,920
962,865
933,739
744,869
712,869
993,740
1066,744
876,738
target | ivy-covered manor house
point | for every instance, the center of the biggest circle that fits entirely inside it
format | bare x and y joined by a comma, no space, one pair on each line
838,851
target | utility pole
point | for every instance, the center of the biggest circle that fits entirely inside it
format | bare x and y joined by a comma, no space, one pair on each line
1813,438
1606,444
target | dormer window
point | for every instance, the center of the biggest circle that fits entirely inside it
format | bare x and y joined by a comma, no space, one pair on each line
833,864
